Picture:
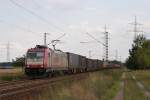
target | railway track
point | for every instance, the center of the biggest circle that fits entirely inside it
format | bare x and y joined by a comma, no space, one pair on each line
20,87
4,83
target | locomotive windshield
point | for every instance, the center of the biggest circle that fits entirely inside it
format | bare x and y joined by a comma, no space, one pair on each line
35,57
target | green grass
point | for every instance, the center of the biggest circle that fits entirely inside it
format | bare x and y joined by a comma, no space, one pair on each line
11,78
144,77
132,91
102,85
11,74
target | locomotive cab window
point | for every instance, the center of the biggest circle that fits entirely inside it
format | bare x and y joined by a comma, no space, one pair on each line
33,55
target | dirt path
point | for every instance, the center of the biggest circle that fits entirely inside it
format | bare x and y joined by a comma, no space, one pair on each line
120,95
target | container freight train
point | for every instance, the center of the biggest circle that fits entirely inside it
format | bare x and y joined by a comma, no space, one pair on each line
43,61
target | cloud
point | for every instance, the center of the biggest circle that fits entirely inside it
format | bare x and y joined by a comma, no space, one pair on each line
79,17
64,5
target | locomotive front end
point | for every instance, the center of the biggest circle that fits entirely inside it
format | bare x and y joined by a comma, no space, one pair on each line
36,61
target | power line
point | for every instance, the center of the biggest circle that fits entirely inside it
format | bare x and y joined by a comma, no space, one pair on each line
135,30
88,42
57,38
37,4
90,52
45,8
95,39
18,27
105,45
35,14
61,36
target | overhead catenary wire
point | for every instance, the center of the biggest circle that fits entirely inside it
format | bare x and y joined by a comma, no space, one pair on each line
57,38
95,39
45,8
61,36
38,5
36,15
18,27
88,42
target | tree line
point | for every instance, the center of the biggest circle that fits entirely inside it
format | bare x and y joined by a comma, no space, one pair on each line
139,54
19,62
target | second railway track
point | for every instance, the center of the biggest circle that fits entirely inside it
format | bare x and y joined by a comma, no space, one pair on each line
20,87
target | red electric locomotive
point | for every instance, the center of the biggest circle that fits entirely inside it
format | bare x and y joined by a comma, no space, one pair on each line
41,61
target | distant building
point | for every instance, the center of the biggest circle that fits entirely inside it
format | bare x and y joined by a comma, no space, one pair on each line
5,65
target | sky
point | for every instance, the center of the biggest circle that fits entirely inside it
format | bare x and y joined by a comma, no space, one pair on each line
24,22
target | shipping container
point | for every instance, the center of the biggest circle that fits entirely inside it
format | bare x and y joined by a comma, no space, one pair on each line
94,63
59,60
89,64
105,64
100,64
82,62
73,60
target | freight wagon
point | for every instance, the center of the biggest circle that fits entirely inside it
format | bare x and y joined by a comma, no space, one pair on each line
73,62
95,64
43,61
58,60
100,64
89,64
83,64
76,63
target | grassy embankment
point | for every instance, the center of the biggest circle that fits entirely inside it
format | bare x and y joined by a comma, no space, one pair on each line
102,85
132,91
11,74
144,77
